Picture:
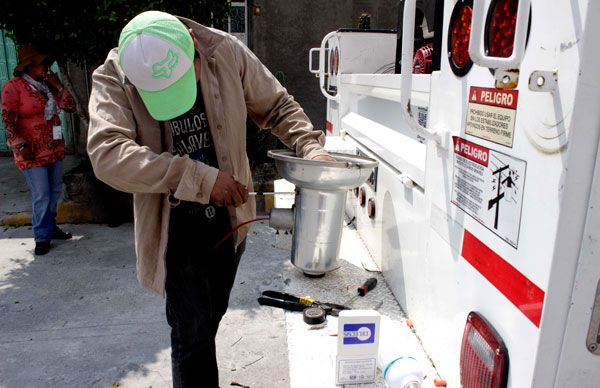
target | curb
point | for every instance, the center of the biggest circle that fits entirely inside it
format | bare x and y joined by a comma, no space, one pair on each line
67,213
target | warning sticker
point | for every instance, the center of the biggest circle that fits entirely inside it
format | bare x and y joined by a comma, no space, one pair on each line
353,371
491,114
488,186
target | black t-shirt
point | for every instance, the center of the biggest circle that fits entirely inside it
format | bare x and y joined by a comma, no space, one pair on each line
191,134
192,137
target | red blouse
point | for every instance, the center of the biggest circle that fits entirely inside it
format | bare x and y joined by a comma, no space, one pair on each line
23,118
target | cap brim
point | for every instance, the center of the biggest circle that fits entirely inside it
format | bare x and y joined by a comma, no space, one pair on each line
173,101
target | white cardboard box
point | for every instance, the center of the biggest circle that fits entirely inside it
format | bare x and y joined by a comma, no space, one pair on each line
358,342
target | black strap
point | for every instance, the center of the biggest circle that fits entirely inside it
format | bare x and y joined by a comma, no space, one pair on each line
294,298
281,295
291,306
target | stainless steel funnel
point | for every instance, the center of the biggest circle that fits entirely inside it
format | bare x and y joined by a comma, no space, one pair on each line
321,189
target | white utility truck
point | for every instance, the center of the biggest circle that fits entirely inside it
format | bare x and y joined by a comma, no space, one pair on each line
484,211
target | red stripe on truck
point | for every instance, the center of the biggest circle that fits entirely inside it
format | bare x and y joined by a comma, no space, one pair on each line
522,292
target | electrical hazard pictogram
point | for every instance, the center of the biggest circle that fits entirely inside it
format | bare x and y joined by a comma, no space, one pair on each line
488,186
504,184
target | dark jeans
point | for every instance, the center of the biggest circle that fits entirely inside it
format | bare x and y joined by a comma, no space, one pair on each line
199,281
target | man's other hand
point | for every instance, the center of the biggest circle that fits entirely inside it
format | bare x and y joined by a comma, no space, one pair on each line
324,158
228,192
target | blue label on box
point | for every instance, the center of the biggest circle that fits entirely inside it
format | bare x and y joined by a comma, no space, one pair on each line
359,333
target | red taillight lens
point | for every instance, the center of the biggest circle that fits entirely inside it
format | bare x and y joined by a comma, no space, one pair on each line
461,33
362,197
459,36
331,62
334,61
483,356
371,208
500,31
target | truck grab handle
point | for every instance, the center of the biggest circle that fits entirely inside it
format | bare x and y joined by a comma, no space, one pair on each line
408,37
310,60
476,46
322,52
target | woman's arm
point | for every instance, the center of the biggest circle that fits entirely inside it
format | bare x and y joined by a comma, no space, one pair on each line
11,98
64,99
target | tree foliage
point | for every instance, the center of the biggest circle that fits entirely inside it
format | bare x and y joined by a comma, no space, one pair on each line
84,31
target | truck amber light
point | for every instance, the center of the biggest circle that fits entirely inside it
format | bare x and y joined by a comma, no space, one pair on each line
501,25
362,197
371,208
483,356
459,36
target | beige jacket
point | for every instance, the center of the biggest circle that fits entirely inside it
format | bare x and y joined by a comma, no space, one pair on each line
127,152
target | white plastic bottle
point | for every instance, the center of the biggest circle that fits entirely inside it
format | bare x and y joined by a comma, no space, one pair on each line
403,372
399,368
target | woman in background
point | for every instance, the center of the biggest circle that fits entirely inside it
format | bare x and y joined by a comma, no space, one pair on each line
31,102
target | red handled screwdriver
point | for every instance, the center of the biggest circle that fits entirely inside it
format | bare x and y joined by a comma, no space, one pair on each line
362,290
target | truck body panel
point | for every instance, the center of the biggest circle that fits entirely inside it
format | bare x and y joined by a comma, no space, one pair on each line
499,216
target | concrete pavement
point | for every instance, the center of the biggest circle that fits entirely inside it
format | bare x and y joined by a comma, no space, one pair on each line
78,318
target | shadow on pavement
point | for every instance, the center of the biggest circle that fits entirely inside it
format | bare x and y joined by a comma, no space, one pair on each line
77,317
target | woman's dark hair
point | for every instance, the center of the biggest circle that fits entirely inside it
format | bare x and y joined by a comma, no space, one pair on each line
48,61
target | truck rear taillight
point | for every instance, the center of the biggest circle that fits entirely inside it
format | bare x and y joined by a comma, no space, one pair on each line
458,38
334,61
483,356
501,26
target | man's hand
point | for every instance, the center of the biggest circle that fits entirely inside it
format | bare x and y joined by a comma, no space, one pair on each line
325,158
228,192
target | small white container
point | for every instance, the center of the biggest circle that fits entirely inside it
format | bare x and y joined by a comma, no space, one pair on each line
399,368
403,372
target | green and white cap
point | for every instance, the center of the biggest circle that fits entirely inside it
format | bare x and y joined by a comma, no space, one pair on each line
156,52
